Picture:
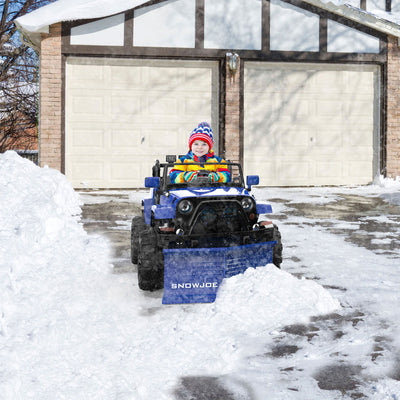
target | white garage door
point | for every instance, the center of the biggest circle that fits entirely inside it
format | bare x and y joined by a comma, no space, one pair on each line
122,115
311,124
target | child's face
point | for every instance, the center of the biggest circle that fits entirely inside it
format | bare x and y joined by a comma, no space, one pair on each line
200,148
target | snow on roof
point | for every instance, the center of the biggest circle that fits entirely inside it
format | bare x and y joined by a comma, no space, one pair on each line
38,21
70,10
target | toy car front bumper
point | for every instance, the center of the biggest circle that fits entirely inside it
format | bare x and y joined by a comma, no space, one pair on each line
174,241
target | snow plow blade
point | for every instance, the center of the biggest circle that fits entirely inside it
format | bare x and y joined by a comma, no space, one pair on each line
194,275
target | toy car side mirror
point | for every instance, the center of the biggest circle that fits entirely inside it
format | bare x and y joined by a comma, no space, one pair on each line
252,180
152,182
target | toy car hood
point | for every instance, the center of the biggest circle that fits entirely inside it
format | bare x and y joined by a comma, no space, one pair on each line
207,191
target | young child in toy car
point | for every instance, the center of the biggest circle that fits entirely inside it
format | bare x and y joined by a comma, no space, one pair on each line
201,142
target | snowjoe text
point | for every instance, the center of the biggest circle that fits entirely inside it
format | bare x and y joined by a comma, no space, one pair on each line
189,285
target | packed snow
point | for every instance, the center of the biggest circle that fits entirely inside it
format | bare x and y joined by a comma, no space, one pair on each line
70,328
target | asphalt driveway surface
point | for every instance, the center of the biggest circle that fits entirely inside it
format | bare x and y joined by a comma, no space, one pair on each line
369,222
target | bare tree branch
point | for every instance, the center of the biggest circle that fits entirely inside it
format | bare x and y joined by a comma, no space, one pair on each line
18,79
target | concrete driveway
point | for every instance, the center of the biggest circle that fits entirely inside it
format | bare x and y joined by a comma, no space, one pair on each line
109,213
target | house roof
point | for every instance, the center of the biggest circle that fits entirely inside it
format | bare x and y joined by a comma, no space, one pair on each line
33,24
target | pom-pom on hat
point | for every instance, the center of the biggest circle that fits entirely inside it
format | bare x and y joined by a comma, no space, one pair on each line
202,132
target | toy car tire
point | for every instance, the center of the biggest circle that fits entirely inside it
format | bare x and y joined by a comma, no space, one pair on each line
150,262
277,251
138,225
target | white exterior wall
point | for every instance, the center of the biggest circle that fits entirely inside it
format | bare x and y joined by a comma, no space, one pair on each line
341,38
228,24
376,5
232,24
104,32
293,29
168,24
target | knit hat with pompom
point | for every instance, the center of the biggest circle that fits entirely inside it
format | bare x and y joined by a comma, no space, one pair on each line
202,132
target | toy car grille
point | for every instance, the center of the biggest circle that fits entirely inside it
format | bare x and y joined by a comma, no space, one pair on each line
219,217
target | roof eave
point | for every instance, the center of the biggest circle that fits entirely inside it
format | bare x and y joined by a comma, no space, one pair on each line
32,39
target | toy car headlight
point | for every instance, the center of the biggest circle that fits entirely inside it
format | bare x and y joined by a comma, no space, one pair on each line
246,203
185,207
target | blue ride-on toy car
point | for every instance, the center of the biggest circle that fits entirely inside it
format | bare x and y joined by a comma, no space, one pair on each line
191,236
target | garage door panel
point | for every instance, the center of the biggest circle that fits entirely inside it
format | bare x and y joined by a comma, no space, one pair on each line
124,107
194,107
125,77
84,140
162,106
87,171
360,108
90,106
296,140
312,124
328,169
292,171
138,111
122,170
358,140
330,108
358,168
328,141
269,168
123,140
89,78
165,138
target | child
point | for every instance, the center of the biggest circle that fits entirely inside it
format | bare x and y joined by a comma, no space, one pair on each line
200,150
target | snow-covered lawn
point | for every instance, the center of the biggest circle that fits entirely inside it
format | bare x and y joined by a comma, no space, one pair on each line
71,329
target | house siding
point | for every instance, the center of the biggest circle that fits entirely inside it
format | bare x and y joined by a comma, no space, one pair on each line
393,109
51,103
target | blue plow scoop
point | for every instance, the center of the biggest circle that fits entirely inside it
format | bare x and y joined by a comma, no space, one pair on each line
194,275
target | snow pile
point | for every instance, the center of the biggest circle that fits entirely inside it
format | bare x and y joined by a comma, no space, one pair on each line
47,262
273,295
388,183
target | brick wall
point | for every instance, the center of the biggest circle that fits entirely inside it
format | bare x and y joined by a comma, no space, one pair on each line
50,121
393,109
232,115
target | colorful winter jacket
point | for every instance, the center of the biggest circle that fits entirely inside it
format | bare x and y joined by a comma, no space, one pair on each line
187,172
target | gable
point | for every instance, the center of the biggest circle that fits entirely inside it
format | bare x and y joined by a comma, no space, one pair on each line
274,25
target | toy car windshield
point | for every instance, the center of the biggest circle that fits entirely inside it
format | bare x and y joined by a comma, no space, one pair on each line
202,177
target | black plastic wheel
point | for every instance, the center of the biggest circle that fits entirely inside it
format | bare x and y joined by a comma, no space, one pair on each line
278,248
150,262
138,225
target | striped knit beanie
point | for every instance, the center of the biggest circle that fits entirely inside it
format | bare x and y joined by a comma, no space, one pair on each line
202,132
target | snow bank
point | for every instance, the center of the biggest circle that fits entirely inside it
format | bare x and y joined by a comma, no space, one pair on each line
47,263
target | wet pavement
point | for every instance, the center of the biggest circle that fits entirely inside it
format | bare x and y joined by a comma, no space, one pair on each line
111,214
364,215
368,222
